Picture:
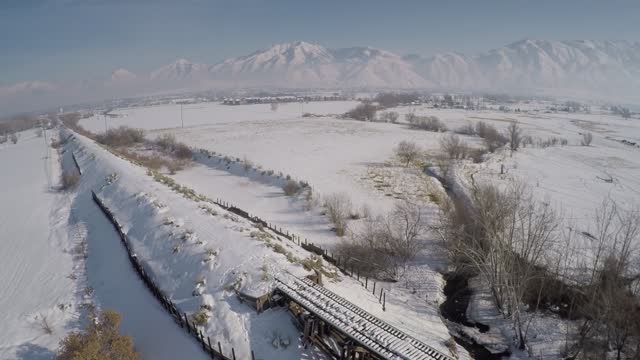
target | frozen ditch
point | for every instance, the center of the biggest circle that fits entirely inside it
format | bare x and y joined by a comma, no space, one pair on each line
458,295
114,284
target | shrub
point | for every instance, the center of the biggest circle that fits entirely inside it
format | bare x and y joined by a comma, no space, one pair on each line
122,136
389,116
200,318
166,142
428,123
386,245
39,133
492,138
69,181
362,112
247,164
477,155
407,152
338,206
3,139
586,139
14,138
454,147
99,341
514,134
467,129
291,188
174,166
182,151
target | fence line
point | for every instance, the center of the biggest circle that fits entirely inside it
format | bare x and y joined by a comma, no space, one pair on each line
304,243
75,161
180,318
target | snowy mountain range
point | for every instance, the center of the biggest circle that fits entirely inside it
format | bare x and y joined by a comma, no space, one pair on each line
523,65
301,64
538,64
583,68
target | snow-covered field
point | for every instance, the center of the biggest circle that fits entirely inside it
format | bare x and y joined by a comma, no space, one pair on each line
334,156
35,252
199,253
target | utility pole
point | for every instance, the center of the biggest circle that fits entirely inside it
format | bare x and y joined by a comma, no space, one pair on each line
181,118
46,146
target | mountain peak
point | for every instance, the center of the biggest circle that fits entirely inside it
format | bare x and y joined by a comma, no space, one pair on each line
122,74
181,69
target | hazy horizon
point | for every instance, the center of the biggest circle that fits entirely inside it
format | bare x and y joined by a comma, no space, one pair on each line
54,45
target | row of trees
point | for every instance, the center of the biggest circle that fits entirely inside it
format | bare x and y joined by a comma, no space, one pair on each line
529,261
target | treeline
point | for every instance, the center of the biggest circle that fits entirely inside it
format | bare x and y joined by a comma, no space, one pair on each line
532,263
165,152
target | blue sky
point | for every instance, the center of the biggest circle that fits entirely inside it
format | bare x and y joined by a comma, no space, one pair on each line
71,40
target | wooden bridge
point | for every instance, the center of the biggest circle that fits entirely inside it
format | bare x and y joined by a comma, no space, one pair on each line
345,331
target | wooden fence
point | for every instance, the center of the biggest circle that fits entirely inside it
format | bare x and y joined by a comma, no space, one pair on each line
346,265
215,351
75,161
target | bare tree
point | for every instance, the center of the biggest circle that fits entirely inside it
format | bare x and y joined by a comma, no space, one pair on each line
407,152
504,238
453,147
393,116
338,206
389,116
492,138
405,227
610,298
44,323
363,112
387,244
291,188
586,139
514,133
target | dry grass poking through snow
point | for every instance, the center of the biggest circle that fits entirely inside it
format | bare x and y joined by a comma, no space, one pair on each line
401,183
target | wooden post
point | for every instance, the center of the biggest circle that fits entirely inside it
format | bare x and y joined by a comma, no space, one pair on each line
366,282
220,349
186,321
210,348
374,288
381,291
384,302
233,352
204,345
253,357
358,274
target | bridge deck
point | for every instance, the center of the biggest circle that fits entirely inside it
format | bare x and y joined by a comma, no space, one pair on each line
374,334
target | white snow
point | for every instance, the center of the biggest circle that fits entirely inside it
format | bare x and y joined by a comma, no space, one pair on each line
35,252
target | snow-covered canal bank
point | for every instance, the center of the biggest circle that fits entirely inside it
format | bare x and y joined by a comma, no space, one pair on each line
35,258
